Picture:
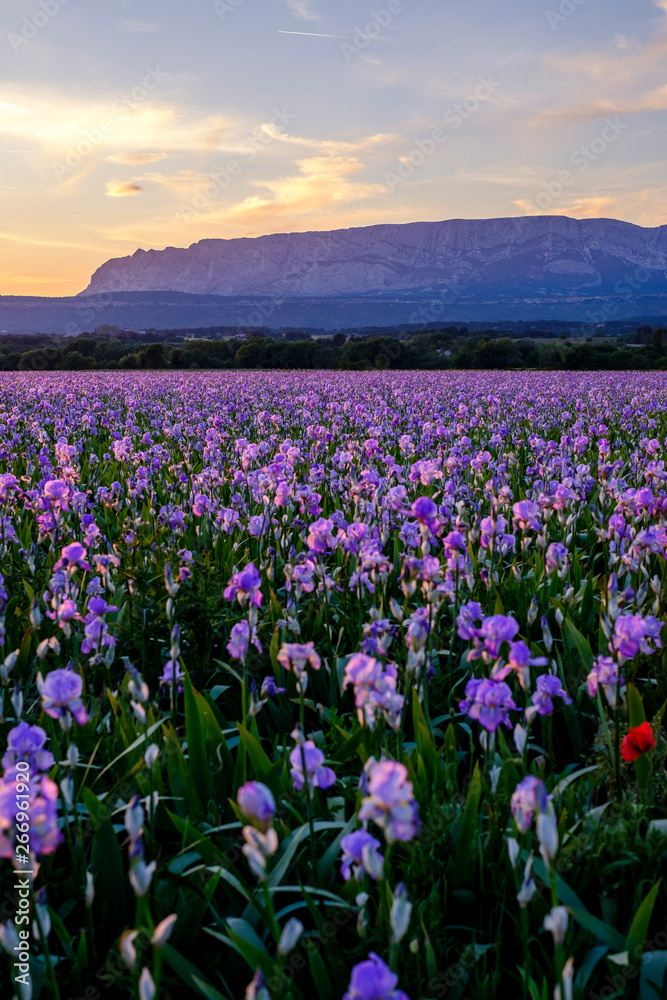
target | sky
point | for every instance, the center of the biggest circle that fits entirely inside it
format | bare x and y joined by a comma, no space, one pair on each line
130,124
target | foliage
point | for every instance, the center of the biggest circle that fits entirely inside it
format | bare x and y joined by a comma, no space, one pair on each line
226,564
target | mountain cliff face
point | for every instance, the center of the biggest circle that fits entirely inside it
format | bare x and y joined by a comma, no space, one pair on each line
533,256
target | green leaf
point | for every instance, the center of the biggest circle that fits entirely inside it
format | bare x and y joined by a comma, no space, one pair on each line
603,932
576,640
653,976
635,707
566,896
264,770
289,847
195,730
586,968
431,960
634,943
425,744
350,746
107,866
197,841
133,746
190,974
461,872
274,646
256,957
330,856
217,742
451,757
568,779
319,973
180,777
642,764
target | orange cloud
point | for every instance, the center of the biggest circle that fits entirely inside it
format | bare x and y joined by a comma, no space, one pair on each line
322,182
122,189
136,159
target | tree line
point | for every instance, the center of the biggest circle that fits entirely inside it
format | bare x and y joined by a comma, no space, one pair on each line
427,350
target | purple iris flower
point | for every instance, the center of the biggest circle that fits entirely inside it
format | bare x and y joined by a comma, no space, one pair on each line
606,675
526,516
425,510
496,630
634,634
528,799
72,555
240,638
373,980
245,586
520,659
257,804
270,689
360,854
453,542
489,701
61,697
42,813
374,690
548,688
466,618
317,776
25,742
321,536
172,673
556,559
390,802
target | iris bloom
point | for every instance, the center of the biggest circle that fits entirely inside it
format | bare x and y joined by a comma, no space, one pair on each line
373,980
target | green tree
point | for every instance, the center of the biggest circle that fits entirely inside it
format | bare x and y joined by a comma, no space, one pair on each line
152,357
657,341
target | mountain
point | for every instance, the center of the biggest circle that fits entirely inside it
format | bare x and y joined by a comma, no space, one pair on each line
536,269
539,258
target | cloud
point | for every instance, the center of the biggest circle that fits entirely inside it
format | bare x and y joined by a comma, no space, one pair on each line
649,100
582,208
51,121
329,145
623,42
122,189
134,159
321,184
625,77
185,183
139,26
646,207
302,8
15,238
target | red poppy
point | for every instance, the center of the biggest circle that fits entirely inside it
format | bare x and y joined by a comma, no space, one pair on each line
638,741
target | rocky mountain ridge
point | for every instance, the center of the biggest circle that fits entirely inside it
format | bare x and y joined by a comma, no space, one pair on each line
535,257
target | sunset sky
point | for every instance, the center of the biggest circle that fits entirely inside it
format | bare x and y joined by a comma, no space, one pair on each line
148,123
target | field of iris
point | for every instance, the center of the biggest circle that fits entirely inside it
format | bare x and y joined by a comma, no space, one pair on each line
336,685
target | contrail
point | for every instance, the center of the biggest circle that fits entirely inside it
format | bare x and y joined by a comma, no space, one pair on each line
314,34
